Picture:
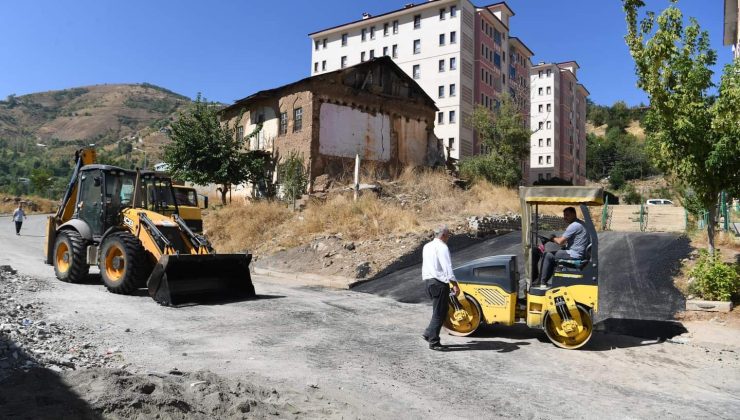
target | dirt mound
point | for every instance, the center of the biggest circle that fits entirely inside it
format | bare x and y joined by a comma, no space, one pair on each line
117,394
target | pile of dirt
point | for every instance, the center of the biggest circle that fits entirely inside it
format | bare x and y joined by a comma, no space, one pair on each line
112,393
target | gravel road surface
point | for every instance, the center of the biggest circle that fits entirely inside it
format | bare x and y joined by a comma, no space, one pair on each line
344,354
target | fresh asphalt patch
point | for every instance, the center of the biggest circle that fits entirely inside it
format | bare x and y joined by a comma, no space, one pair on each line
636,292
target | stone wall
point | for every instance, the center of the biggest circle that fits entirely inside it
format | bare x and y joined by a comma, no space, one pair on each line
494,224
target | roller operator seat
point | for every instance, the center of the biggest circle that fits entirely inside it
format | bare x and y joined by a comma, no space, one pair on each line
576,263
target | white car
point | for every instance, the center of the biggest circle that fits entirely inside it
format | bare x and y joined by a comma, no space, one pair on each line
658,201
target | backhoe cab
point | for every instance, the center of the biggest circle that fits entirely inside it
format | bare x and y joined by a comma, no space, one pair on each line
490,286
127,223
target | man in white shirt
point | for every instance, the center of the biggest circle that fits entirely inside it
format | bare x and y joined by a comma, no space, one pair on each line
436,271
18,216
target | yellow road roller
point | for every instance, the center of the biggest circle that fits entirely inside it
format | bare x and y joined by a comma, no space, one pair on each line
564,308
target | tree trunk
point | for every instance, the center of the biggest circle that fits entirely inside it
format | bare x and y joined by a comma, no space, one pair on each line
222,190
711,223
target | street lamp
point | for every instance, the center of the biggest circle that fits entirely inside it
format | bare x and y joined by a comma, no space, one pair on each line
144,152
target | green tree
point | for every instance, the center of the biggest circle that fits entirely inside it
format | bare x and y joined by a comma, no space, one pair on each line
293,176
41,180
506,139
690,134
203,150
619,116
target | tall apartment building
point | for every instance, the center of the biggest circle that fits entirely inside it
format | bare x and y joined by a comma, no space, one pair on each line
460,54
558,119
732,32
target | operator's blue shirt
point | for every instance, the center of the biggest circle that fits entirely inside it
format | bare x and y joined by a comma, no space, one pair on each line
578,240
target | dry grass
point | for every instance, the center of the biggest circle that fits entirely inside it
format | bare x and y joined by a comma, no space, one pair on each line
8,204
722,240
413,203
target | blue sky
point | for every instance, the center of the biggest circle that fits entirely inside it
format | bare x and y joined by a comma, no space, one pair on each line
229,49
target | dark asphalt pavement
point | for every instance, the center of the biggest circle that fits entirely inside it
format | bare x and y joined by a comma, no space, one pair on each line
635,273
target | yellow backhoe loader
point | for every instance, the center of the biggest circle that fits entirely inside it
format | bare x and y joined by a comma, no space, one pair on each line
564,309
123,221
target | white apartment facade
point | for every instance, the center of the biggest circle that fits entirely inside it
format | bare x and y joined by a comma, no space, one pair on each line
731,30
436,43
558,121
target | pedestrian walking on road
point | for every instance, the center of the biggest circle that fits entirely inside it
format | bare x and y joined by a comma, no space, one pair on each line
436,271
18,216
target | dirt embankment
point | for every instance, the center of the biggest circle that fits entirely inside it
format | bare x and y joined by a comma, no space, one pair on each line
49,370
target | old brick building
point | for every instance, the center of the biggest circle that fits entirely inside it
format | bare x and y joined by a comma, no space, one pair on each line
372,109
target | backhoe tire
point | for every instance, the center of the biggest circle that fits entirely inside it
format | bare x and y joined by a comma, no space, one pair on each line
122,263
70,262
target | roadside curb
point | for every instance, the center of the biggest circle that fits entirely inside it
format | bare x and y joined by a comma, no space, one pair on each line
708,306
304,279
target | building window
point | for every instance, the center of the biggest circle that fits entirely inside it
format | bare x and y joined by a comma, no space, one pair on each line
540,160
497,60
549,124
539,176
417,21
549,72
372,32
453,63
541,125
316,45
362,57
539,91
549,107
539,109
316,67
453,90
453,11
372,54
549,90
323,65
385,29
344,39
441,65
549,142
395,51
440,118
453,37
239,132
451,119
385,51
497,37
441,39
297,119
540,143
451,143
363,34
442,14
417,46
343,62
323,43
441,92
395,26
539,74
548,159
283,123
416,71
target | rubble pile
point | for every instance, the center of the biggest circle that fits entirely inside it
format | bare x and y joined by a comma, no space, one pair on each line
497,224
28,339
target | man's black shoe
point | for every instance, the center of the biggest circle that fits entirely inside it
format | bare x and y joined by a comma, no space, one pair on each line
437,347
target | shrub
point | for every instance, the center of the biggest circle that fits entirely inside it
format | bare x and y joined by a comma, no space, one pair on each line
713,279
631,196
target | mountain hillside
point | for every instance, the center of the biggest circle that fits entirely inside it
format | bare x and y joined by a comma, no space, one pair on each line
91,113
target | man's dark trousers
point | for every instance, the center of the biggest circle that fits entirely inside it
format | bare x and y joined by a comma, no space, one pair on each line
548,265
18,227
439,293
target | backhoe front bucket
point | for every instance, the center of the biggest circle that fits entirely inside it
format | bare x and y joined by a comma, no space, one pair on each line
178,279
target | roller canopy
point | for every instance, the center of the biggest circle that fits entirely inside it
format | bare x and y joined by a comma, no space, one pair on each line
562,195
